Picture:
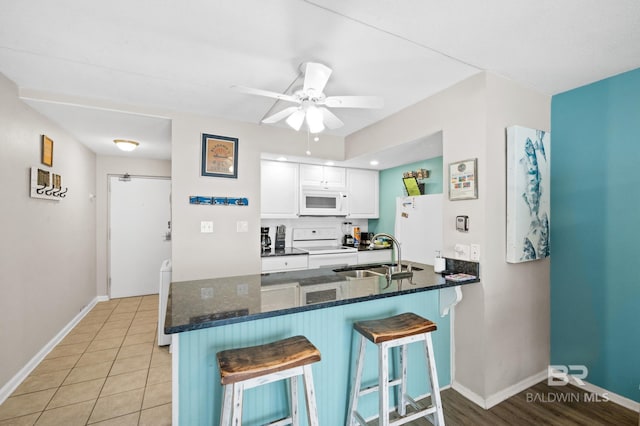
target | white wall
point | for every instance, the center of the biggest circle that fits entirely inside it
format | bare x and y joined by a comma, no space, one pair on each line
47,249
225,252
502,324
105,166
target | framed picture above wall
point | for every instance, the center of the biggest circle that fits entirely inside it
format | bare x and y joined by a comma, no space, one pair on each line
47,151
219,156
528,194
463,180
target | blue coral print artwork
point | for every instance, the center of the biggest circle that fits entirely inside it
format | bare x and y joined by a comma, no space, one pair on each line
528,209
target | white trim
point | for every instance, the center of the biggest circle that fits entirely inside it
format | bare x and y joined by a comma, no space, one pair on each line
24,372
502,395
175,379
613,397
515,389
469,394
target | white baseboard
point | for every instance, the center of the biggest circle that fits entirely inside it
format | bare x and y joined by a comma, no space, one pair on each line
507,393
24,372
613,397
469,394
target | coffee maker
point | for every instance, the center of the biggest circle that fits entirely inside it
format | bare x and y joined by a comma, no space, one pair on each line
265,239
280,237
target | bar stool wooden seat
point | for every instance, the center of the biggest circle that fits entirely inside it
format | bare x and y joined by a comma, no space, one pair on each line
249,367
387,333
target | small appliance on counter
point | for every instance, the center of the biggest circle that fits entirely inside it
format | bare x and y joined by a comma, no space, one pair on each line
347,238
265,239
281,232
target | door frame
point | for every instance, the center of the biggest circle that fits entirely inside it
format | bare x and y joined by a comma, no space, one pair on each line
120,176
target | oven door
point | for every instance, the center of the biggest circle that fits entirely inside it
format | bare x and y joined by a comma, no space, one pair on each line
318,202
333,259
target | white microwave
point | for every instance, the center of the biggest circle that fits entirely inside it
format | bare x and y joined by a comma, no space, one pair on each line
316,201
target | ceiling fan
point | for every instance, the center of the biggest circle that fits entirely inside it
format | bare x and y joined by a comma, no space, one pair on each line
312,104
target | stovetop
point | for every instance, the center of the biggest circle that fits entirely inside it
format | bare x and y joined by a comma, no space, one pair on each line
331,249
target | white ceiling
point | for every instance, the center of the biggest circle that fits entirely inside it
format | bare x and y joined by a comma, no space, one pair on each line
184,56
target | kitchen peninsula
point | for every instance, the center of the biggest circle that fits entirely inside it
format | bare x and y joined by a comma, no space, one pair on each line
207,316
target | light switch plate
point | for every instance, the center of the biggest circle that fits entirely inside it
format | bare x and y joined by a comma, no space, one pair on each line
462,251
475,252
206,227
242,226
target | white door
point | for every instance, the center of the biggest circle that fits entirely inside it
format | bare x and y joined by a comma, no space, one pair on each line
139,231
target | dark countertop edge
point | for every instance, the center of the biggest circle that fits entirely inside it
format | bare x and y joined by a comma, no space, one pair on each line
262,315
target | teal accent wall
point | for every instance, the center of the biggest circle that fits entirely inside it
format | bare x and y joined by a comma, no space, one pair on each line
391,186
330,330
595,232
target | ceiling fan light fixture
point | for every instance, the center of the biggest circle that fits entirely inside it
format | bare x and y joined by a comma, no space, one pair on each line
126,144
295,120
314,119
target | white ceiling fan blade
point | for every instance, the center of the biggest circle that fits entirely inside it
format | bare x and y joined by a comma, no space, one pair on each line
316,77
296,119
354,102
267,93
280,115
330,119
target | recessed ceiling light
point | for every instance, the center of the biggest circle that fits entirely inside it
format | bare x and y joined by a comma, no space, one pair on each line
282,158
125,144
374,162
329,163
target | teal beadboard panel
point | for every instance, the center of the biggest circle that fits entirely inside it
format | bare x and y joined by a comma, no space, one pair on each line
330,330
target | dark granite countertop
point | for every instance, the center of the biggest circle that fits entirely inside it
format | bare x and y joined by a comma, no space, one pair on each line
287,251
199,304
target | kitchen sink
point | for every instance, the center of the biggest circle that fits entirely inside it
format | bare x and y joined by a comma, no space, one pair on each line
360,273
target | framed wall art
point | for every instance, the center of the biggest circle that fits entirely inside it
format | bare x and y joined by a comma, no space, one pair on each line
47,151
463,180
219,156
528,194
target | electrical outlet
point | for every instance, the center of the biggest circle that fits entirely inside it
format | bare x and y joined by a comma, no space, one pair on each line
475,252
242,226
206,293
242,289
206,227
462,251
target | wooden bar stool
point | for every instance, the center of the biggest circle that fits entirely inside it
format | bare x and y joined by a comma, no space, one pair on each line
246,368
387,333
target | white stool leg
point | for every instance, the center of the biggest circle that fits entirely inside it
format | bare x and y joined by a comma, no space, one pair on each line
238,390
312,409
383,384
226,408
402,399
357,382
293,400
433,378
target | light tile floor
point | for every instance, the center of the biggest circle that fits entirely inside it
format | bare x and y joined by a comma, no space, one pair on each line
107,371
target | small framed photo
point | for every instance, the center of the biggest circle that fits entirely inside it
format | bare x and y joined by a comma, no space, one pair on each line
219,156
47,151
463,180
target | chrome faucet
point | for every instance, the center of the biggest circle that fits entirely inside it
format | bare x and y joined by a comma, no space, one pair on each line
397,244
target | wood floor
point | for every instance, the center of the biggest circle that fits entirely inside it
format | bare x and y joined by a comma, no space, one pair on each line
539,405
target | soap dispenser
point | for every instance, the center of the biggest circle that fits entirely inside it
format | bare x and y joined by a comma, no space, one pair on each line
439,263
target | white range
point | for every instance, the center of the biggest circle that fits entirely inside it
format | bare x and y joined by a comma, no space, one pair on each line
324,248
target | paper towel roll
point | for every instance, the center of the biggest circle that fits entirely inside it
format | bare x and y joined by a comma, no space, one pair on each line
439,264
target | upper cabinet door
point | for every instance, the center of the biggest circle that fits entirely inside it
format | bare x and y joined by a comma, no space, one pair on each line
363,189
279,190
323,176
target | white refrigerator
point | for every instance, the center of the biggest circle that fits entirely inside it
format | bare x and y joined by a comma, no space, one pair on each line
418,227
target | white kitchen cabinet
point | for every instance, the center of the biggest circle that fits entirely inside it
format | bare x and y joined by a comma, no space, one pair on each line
363,187
285,263
324,176
375,256
279,296
279,190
